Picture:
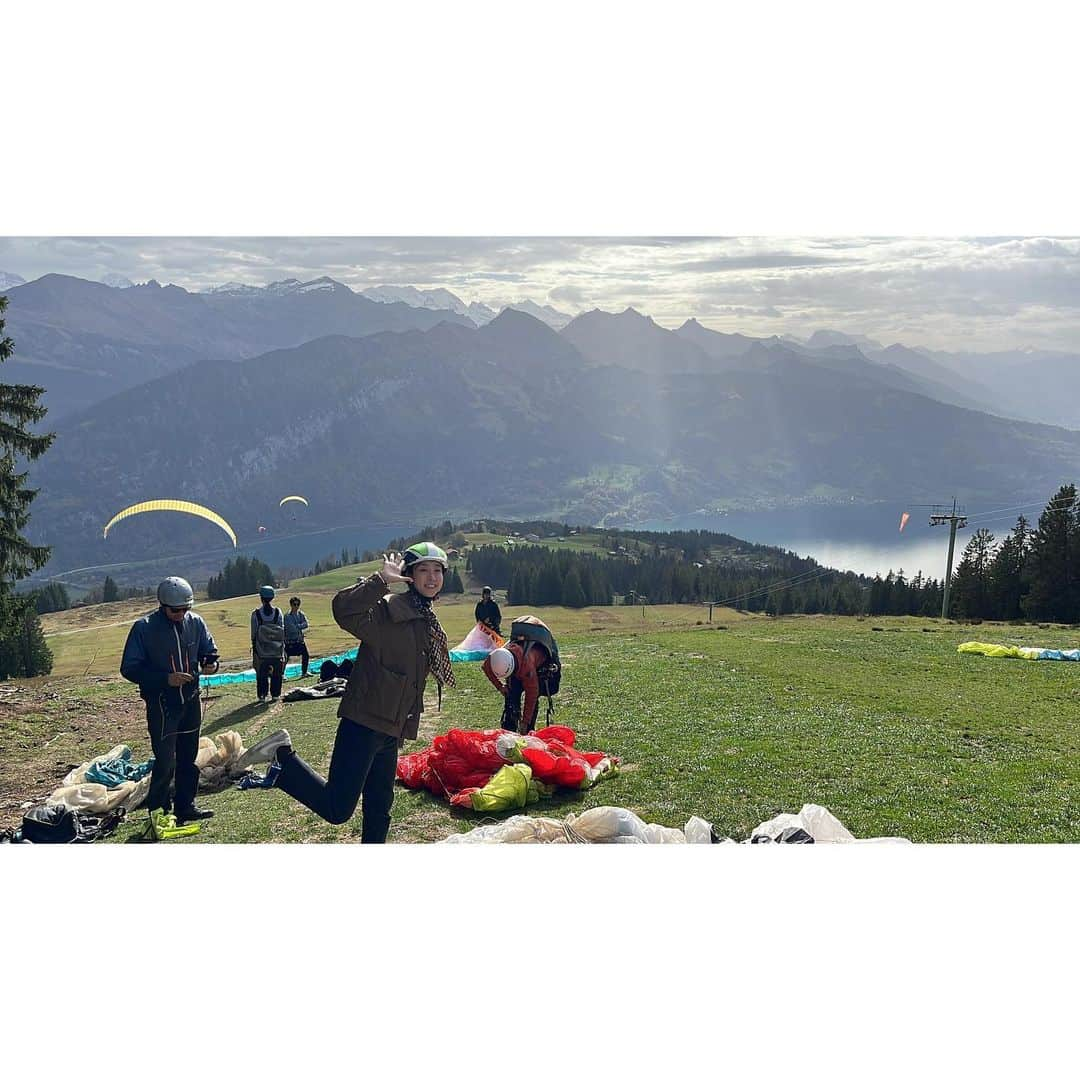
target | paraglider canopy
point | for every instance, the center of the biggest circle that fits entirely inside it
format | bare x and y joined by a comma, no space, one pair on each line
262,528
175,505
293,498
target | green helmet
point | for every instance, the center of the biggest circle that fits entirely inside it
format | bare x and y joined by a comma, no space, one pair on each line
425,551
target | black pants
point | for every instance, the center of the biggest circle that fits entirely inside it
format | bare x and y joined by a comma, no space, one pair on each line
363,762
297,648
268,674
511,717
174,741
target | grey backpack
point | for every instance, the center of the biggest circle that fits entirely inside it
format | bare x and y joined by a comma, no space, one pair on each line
270,636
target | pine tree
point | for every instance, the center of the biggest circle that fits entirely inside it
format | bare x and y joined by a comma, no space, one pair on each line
54,597
1053,563
23,651
1007,584
971,581
109,591
573,592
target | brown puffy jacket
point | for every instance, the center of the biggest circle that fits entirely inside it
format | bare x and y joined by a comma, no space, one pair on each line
385,691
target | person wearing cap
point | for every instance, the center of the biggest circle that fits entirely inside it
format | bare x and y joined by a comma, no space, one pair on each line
487,611
268,647
164,654
402,643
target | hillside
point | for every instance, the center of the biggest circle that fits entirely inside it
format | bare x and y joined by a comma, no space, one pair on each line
84,342
509,421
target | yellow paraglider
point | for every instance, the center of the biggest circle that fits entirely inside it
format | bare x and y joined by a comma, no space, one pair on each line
291,498
173,504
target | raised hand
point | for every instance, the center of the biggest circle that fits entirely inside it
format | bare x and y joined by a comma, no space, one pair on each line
392,567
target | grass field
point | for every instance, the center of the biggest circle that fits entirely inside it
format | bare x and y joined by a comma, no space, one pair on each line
878,719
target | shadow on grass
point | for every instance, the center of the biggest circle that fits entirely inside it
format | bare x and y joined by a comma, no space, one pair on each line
240,715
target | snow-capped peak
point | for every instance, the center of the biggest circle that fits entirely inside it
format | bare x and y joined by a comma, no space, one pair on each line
117,281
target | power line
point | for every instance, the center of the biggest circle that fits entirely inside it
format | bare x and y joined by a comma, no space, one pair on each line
801,579
1065,501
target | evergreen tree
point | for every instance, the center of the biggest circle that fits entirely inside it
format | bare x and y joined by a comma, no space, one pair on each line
1007,584
109,591
971,579
1053,562
573,592
54,597
23,651
548,586
453,582
517,594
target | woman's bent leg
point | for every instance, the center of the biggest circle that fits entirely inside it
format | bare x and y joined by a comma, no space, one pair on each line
334,798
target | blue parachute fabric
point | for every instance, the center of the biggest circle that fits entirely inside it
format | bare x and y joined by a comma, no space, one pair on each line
1059,654
231,678
469,654
112,772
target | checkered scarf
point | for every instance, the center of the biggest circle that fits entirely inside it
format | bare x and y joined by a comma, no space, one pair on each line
439,653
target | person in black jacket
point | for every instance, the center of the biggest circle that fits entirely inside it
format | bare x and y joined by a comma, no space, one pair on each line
164,654
487,611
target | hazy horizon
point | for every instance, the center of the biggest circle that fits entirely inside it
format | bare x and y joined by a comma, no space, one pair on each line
956,294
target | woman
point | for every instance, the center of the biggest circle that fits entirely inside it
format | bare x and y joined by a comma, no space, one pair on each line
402,643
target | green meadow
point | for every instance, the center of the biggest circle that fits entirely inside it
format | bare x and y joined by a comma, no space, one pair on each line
878,719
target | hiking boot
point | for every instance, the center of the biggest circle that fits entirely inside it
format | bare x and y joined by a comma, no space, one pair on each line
193,813
263,751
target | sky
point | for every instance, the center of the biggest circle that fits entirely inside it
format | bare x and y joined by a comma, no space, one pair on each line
980,293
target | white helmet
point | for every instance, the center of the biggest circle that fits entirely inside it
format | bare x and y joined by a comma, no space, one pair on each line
502,663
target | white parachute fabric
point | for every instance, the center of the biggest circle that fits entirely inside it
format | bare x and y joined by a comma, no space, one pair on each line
617,825
820,824
477,644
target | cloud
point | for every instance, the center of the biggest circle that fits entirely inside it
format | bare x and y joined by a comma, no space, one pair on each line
948,292
753,262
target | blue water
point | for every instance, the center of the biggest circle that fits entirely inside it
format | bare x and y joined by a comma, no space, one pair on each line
864,538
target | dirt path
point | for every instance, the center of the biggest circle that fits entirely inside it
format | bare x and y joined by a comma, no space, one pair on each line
46,731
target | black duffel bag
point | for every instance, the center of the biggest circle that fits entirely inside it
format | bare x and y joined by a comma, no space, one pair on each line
50,825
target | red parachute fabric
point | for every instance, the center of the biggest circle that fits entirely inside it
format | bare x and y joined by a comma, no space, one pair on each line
463,761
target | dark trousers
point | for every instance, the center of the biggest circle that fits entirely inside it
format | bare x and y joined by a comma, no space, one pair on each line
363,762
297,648
511,717
174,741
268,674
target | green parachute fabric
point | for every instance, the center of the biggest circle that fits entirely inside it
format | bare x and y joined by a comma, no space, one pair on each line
511,788
1017,652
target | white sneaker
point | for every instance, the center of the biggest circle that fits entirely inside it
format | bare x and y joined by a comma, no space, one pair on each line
263,751
276,697
262,699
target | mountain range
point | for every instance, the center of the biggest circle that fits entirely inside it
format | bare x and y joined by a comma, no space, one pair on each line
613,420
